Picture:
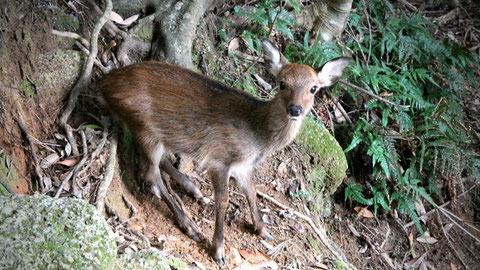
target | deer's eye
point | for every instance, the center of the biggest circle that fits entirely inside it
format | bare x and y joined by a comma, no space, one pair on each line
282,85
313,90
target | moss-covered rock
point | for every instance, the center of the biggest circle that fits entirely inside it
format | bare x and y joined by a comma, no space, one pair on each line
148,259
329,164
39,232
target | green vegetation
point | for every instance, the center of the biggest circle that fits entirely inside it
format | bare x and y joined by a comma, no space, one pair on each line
7,171
409,151
28,88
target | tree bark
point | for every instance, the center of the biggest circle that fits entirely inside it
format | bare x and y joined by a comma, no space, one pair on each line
326,18
176,26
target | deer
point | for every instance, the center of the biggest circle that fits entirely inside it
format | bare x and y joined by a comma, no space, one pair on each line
228,132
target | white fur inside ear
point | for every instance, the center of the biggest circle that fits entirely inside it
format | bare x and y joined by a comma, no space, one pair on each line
332,71
272,55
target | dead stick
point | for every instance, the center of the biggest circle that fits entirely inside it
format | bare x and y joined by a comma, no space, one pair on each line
32,149
340,107
321,233
363,90
433,210
85,77
103,187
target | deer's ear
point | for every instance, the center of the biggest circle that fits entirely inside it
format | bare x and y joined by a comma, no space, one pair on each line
332,71
274,59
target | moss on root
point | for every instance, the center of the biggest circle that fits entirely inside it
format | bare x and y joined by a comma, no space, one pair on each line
328,163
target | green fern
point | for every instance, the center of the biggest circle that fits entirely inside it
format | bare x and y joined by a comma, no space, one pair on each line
356,193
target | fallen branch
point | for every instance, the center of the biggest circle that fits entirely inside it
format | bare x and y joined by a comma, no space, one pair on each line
448,215
321,233
453,248
103,187
34,155
363,90
85,77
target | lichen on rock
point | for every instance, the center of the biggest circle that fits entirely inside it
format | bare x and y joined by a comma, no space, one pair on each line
39,232
149,259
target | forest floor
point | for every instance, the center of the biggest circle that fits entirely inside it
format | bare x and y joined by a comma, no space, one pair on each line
369,243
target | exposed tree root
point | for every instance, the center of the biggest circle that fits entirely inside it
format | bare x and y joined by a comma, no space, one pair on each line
84,79
107,180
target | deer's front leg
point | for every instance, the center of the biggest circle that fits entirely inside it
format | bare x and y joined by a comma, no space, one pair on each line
247,185
220,181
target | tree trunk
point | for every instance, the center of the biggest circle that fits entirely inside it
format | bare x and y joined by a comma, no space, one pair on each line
176,24
326,18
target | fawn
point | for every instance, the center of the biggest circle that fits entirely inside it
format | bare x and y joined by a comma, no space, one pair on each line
170,109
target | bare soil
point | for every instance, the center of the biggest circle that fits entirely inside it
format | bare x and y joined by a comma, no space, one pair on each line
24,35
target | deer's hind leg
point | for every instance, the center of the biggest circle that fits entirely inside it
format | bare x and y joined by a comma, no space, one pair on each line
158,188
182,180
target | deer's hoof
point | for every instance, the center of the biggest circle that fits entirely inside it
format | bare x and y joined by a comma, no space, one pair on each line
221,262
195,237
204,201
265,234
268,236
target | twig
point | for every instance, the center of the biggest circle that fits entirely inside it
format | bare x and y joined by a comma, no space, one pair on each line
443,205
321,233
6,186
458,225
340,107
60,189
85,77
34,155
453,248
103,187
329,117
369,31
373,95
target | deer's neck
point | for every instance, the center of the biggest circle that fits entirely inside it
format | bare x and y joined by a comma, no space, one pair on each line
275,129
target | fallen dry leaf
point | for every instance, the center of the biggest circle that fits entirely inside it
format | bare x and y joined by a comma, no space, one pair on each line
49,160
233,44
69,162
364,212
427,239
129,20
453,266
115,17
254,257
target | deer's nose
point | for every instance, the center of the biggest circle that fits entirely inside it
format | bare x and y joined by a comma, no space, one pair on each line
294,111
